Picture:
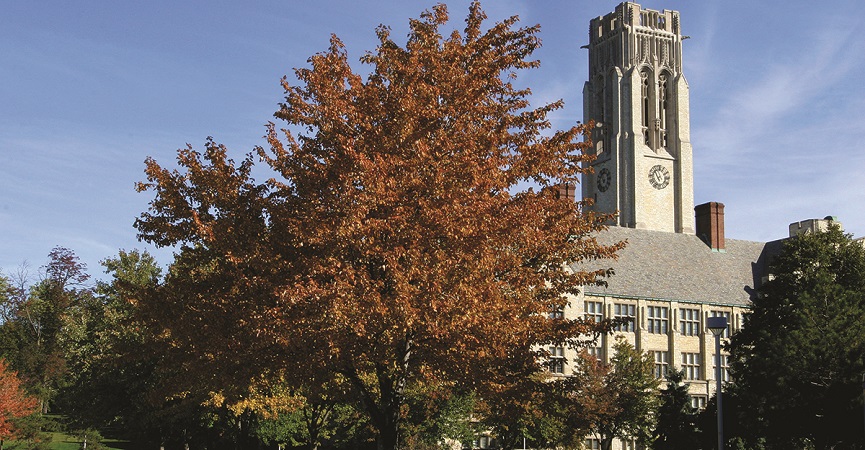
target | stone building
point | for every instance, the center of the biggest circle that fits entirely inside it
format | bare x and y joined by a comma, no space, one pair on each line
678,267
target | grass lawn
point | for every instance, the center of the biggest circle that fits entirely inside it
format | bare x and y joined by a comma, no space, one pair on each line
63,441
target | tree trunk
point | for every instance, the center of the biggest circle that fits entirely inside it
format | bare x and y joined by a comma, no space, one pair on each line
607,443
384,405
388,437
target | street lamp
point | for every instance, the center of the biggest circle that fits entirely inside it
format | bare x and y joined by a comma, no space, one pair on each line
717,325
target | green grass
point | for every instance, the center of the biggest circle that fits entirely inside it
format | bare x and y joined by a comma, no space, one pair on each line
63,441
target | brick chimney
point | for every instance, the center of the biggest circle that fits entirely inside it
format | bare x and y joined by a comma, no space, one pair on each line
710,225
567,191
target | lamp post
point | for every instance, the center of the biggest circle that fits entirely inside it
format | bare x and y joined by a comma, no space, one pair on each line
717,325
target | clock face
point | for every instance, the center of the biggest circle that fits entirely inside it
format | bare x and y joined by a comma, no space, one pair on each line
604,179
659,176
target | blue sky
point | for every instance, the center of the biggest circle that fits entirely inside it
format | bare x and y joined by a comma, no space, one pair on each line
89,89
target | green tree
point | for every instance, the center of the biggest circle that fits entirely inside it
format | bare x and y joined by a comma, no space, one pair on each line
798,361
615,400
393,244
676,427
43,320
114,375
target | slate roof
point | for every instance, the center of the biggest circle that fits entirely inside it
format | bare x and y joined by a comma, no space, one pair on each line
681,267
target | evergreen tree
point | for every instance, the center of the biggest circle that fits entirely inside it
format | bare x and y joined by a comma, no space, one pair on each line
798,362
676,427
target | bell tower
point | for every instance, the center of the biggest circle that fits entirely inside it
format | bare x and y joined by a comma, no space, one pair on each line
638,97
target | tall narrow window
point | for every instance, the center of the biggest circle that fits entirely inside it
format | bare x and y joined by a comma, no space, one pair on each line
644,93
598,132
725,367
662,109
557,360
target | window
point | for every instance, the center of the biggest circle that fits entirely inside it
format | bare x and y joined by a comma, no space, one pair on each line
623,311
558,312
662,361
629,445
644,97
691,365
689,322
593,444
725,368
595,311
662,109
597,352
658,319
557,360
726,314
698,402
482,442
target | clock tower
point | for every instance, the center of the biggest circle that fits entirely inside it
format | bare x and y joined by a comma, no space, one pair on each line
638,98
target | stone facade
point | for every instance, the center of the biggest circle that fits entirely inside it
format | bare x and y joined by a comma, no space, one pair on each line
672,275
669,278
637,97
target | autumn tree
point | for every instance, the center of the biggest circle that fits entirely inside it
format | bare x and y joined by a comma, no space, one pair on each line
798,361
615,400
395,244
14,403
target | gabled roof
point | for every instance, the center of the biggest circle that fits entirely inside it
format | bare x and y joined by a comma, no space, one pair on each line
681,267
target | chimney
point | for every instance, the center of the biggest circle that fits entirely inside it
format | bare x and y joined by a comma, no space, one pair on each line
567,191
710,225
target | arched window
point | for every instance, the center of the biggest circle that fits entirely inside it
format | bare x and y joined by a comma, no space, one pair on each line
598,134
663,95
645,96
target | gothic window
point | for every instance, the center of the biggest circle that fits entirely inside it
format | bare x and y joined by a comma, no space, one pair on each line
662,109
644,96
601,116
